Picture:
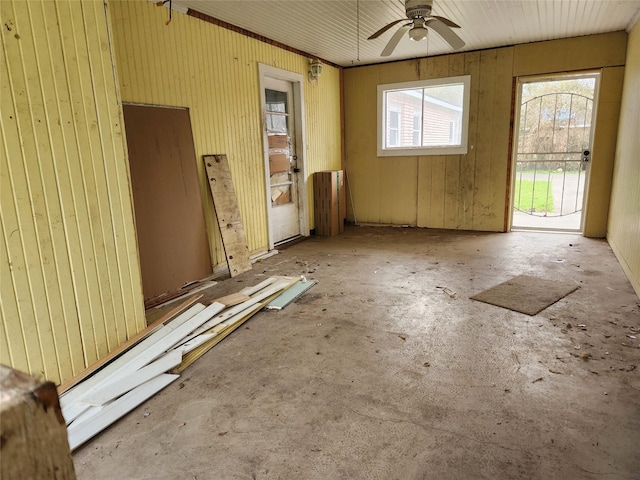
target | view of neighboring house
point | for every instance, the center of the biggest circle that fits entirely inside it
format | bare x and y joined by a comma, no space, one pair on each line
424,116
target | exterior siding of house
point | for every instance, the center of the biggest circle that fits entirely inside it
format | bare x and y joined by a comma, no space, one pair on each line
70,286
437,120
471,191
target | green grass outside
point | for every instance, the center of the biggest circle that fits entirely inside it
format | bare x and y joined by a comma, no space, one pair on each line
523,196
543,172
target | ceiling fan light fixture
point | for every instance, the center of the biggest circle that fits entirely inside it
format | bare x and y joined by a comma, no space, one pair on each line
418,33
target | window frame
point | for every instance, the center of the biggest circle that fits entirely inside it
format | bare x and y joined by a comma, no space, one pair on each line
462,148
398,130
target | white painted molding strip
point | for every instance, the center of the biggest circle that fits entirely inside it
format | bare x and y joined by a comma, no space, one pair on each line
74,410
246,313
86,416
117,409
153,351
280,284
258,287
195,342
99,377
113,390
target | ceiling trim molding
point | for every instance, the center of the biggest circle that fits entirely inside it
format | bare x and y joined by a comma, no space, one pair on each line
255,36
633,21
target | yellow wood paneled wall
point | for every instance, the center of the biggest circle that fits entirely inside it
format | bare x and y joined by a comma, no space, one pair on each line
70,283
466,191
624,216
214,72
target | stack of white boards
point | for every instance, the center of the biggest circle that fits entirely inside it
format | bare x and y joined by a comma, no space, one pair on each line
140,372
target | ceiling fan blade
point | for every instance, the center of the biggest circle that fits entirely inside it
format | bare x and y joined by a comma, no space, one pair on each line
446,21
393,43
385,28
446,33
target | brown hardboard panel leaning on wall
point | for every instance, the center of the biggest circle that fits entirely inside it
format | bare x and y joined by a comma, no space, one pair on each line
172,237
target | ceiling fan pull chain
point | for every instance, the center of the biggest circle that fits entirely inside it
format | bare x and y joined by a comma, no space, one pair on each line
358,28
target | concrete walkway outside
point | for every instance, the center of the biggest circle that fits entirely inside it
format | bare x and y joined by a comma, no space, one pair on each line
567,189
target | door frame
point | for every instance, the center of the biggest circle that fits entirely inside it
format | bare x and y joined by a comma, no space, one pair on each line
297,82
516,124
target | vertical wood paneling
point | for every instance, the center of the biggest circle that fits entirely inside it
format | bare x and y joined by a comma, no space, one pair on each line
488,95
455,191
214,72
468,161
360,140
71,287
444,169
603,153
624,214
579,53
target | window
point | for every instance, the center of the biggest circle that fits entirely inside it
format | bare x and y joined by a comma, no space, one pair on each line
434,114
417,130
394,129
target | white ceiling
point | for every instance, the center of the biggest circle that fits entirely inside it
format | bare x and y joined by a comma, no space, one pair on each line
337,31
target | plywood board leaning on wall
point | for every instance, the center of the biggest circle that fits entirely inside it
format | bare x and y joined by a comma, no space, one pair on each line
225,202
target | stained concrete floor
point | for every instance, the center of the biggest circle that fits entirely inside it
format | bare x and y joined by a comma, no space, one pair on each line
376,373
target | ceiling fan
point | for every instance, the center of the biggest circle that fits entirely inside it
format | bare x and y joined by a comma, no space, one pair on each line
419,18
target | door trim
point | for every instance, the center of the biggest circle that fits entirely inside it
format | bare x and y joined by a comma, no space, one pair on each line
518,82
297,81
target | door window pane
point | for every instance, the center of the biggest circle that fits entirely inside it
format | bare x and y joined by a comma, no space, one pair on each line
276,101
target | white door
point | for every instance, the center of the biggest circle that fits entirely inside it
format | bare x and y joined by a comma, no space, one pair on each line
283,169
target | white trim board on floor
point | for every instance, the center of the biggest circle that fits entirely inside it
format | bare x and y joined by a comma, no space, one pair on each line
279,284
155,350
76,392
126,383
78,434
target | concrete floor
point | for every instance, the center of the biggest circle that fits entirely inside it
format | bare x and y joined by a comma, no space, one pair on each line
375,373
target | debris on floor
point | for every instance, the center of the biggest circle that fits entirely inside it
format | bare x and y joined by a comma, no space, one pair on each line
155,358
291,295
448,291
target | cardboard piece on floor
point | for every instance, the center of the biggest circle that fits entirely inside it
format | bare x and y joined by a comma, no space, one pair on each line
225,202
233,299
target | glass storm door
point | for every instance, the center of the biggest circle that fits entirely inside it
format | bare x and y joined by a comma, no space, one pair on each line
280,130
553,151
